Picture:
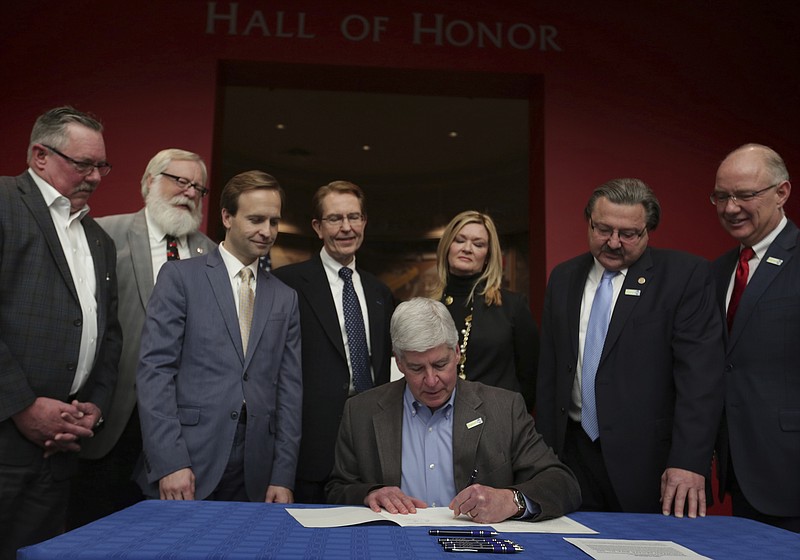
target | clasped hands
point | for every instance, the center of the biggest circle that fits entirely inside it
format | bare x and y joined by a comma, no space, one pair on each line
56,426
483,504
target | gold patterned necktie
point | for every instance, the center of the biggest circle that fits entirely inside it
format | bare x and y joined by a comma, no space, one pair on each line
246,300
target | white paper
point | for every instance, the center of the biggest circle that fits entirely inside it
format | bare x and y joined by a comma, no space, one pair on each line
432,517
619,549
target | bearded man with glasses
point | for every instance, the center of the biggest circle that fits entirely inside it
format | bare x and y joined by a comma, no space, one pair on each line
631,362
173,187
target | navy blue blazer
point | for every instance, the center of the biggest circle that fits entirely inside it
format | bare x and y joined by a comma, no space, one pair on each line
761,428
326,376
657,386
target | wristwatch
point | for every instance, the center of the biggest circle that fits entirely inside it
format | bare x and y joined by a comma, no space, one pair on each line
519,501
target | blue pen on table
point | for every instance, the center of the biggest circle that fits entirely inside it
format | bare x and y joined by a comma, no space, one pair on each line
462,533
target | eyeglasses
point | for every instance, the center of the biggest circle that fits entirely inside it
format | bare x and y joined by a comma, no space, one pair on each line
185,184
625,235
719,198
85,168
336,220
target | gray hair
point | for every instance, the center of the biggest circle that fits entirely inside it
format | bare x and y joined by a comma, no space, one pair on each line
51,127
771,159
420,324
628,192
161,161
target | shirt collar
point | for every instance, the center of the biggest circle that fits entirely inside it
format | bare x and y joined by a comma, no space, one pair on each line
51,195
761,247
332,265
234,265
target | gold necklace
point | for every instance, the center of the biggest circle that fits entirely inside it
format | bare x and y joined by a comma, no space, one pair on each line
465,331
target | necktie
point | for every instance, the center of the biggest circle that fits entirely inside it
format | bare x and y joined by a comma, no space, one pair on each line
246,300
596,331
172,249
739,282
356,334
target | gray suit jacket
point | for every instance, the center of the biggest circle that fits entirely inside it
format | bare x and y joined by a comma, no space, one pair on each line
135,277
40,317
193,377
505,447
761,426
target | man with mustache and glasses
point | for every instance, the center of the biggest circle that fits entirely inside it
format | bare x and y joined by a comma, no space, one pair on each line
631,362
173,187
60,340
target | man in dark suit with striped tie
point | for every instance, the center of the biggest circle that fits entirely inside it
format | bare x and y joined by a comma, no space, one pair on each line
344,315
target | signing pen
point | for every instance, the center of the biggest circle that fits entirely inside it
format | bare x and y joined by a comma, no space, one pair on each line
473,477
462,533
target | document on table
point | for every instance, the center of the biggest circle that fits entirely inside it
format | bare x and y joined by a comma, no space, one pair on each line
620,549
429,517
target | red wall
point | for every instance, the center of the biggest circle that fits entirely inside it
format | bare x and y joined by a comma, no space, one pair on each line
661,94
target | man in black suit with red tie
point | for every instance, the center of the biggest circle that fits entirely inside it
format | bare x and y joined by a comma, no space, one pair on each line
60,341
758,290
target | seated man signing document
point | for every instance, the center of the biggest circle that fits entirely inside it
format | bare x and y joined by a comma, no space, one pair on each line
432,439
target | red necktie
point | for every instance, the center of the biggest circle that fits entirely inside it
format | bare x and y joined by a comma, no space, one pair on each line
740,282
172,249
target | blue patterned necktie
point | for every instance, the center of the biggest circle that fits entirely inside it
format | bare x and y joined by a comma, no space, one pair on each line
356,334
596,331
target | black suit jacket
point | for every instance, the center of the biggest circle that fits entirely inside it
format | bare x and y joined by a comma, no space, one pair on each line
40,317
761,428
657,385
326,376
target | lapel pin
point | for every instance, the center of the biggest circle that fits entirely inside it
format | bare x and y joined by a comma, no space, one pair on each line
199,250
630,292
473,423
775,260
641,280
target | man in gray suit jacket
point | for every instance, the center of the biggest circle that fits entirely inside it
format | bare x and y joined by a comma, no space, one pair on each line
758,452
219,385
59,336
173,187
432,439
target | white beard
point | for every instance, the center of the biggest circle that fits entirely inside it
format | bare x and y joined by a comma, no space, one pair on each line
174,221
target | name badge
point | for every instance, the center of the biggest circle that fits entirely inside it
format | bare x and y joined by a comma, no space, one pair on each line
473,423
774,260
630,292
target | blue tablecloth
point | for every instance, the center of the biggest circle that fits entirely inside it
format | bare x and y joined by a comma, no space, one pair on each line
183,530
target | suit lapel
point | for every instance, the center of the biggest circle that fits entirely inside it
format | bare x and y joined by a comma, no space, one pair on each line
577,282
102,271
318,294
388,426
33,199
376,313
466,407
139,244
261,311
637,279
217,275
775,260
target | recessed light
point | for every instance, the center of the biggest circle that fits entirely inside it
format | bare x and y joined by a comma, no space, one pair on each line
452,134
366,147
280,126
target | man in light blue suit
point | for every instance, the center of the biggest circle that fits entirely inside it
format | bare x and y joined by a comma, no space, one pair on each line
219,383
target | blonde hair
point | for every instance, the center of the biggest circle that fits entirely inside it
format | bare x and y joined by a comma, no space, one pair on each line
492,276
